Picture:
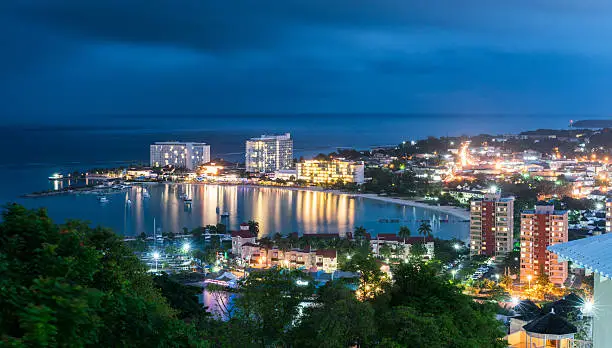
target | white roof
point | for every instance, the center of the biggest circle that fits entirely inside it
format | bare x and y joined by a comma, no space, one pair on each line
594,253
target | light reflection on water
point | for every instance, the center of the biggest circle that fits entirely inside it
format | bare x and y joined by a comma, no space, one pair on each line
276,210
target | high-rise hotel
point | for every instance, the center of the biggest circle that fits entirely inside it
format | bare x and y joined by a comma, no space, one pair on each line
540,228
492,225
269,153
181,155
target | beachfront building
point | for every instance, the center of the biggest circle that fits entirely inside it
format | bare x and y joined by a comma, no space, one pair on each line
540,228
331,171
594,255
242,237
180,155
394,242
269,153
492,225
257,256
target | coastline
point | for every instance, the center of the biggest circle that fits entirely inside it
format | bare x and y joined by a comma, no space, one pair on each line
461,213
455,211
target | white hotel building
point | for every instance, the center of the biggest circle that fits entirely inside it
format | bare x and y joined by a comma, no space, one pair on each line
180,155
269,153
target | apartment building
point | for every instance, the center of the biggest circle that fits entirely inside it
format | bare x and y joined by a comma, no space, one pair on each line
492,225
540,228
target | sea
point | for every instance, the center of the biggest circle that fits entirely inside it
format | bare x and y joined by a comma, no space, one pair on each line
33,151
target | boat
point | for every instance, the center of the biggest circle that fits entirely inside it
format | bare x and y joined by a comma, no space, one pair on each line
129,202
103,199
187,200
56,176
225,214
145,194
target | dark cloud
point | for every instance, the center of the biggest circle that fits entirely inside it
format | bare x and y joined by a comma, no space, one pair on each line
75,57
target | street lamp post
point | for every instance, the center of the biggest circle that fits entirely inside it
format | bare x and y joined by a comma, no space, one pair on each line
529,277
454,272
587,309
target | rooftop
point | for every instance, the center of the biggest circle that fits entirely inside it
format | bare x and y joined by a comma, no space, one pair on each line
551,324
592,253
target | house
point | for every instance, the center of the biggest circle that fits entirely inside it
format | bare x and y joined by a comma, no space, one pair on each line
395,241
241,237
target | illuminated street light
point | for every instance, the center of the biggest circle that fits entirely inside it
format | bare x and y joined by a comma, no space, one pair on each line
529,277
155,257
588,307
497,277
348,256
599,206
457,246
515,301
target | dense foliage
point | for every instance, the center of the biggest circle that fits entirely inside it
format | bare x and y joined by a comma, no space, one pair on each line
72,285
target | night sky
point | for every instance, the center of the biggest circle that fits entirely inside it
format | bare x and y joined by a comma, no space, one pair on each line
62,59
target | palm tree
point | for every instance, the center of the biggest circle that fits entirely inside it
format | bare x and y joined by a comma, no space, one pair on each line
404,232
425,230
360,232
253,227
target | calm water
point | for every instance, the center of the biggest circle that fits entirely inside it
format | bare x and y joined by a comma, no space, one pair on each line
276,210
30,154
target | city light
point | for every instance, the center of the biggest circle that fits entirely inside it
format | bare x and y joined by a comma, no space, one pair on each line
457,246
493,189
529,277
186,247
497,277
155,255
301,282
515,301
454,272
599,206
588,307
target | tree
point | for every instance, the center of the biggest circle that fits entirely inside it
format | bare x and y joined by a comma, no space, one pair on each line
337,319
372,281
404,233
268,303
71,285
425,310
254,227
360,232
425,230
418,250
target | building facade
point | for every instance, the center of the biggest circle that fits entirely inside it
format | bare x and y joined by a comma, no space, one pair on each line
608,215
180,155
492,225
257,256
329,172
394,241
269,153
541,228
242,237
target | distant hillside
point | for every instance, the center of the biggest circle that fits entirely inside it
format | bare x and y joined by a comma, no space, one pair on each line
593,124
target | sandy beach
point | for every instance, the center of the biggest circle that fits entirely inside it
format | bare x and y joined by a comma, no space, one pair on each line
455,211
